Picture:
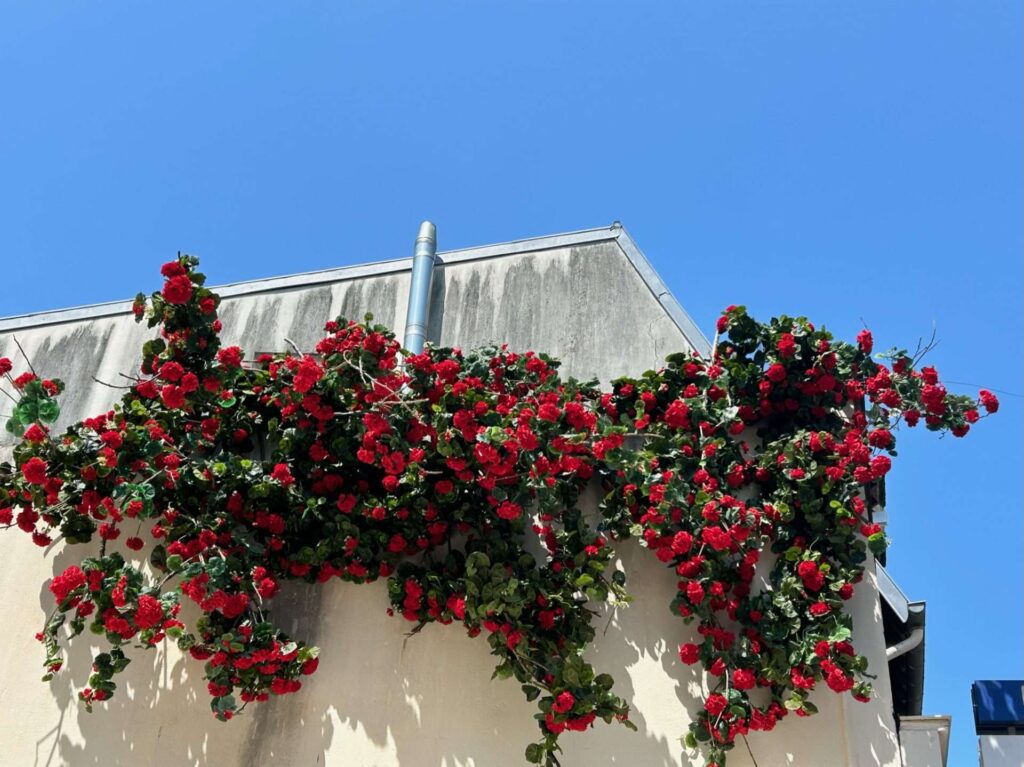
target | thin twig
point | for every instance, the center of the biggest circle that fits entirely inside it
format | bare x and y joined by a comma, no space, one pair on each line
27,360
747,744
109,385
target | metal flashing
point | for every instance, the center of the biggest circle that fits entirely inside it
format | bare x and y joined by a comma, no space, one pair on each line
614,233
892,594
661,292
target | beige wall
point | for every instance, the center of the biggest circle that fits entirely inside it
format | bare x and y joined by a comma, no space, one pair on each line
1001,750
380,697
924,740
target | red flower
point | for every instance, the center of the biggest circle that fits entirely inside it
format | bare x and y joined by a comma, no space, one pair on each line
880,466
282,474
776,373
811,575
209,427
988,400
548,412
34,471
786,345
695,592
147,390
677,415
838,681
817,609
563,703
509,510
24,379
172,269
865,341
149,613
178,290
172,396
5,366
230,357
715,704
68,581
456,604
880,438
689,653
308,374
35,433
743,679
171,371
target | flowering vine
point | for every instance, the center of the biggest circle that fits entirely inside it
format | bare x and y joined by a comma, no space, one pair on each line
745,473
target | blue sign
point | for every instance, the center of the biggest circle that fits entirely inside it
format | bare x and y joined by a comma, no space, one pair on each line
998,706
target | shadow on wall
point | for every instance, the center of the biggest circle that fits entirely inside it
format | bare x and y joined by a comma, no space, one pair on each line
379,697
159,715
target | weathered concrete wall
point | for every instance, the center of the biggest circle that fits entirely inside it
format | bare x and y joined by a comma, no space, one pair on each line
380,698
1001,750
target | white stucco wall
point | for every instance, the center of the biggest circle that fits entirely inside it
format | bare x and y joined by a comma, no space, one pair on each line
1001,750
381,698
924,740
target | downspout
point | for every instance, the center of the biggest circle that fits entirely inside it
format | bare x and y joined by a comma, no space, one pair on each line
908,644
419,289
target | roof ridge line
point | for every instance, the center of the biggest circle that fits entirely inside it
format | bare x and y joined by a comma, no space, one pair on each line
322,276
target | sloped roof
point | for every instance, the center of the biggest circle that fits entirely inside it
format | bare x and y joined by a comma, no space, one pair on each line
615,233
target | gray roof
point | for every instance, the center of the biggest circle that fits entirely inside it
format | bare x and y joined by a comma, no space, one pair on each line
615,233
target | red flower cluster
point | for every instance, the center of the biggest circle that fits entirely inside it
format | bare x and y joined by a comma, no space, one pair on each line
756,457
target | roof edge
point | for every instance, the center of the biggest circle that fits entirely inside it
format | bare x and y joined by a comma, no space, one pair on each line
614,233
319,277
662,294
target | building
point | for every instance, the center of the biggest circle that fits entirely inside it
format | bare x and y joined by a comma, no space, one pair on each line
590,298
999,722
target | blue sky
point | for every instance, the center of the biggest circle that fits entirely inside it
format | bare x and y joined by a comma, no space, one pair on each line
853,162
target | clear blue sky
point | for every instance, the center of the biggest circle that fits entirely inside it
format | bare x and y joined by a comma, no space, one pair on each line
847,161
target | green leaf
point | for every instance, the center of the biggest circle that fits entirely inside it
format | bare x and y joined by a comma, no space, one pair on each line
531,692
158,557
534,753
49,411
27,410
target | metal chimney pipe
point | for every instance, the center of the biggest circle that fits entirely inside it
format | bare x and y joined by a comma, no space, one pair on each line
419,290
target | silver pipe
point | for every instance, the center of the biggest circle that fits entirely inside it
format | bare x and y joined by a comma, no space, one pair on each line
419,289
908,644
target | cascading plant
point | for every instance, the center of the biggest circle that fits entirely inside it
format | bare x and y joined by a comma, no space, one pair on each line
229,475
